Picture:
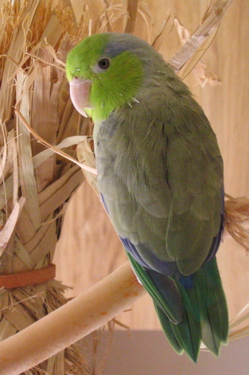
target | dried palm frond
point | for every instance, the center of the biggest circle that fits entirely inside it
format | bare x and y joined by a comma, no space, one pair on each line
200,70
237,219
195,46
35,184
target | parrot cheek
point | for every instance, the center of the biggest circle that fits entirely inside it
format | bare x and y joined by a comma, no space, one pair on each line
79,93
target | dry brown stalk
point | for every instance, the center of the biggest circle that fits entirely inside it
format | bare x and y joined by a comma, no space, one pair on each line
189,55
35,185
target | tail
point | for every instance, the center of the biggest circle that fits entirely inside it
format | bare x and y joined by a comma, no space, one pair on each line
213,307
191,310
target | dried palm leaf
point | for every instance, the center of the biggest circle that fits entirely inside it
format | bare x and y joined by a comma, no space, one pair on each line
189,55
237,219
35,184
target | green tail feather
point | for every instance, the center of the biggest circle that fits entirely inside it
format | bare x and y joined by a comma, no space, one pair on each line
188,332
169,332
213,309
171,308
202,315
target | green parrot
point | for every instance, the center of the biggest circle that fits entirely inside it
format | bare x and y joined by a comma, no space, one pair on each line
160,176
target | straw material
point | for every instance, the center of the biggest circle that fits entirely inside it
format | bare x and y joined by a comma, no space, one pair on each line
37,182
237,219
189,55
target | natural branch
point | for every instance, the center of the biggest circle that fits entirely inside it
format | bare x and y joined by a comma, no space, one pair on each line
66,325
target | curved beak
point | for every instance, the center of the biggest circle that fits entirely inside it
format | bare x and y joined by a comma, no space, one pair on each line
79,93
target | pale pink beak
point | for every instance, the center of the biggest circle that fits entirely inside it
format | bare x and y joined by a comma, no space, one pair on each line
79,93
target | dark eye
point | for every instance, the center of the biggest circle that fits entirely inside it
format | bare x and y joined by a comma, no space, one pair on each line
104,63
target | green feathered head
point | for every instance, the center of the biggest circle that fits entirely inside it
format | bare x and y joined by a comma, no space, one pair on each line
106,71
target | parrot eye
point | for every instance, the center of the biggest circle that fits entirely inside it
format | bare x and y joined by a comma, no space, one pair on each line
104,63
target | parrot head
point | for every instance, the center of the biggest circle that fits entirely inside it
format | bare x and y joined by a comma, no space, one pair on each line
106,71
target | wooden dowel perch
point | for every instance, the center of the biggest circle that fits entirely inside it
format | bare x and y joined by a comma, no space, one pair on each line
71,322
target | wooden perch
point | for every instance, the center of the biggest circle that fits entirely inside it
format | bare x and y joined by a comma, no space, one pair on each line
66,325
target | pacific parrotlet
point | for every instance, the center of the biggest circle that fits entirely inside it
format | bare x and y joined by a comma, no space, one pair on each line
160,177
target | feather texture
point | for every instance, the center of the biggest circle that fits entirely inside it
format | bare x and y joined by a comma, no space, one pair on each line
160,175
